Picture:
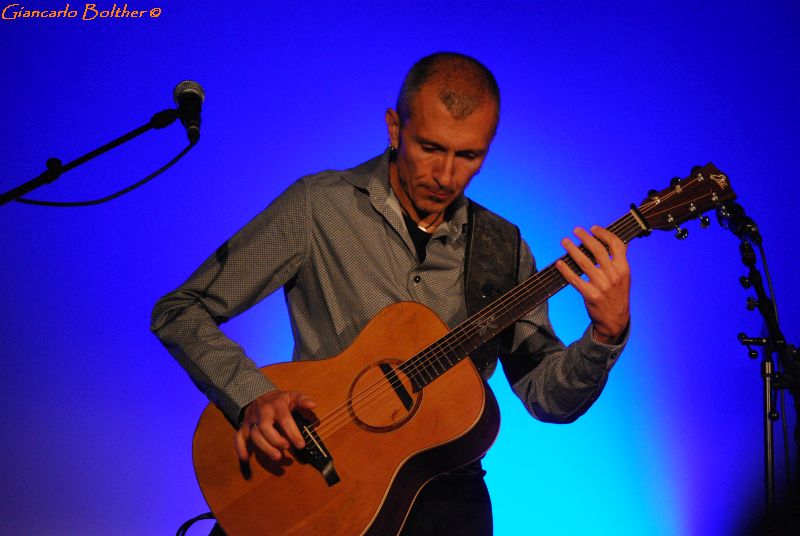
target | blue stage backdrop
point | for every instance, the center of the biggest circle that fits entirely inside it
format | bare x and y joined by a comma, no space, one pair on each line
602,101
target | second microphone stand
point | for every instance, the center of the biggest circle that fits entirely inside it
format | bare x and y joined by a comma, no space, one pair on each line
773,381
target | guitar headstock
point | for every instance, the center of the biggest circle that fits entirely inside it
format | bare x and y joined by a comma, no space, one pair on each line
686,199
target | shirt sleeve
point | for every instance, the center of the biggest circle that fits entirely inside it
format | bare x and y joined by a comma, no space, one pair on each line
259,259
556,383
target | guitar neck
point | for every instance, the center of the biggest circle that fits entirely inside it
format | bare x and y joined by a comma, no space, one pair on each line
440,356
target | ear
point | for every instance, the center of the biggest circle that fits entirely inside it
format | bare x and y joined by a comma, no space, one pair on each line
393,127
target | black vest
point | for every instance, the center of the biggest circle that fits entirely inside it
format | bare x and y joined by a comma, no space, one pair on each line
491,265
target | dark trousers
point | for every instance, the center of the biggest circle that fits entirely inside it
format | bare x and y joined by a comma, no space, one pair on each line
455,505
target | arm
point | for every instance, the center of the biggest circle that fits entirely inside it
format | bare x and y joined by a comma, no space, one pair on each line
259,259
558,383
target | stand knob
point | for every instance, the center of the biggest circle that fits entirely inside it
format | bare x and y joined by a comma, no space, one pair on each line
747,341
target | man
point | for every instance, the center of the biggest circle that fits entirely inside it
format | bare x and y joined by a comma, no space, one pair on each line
343,245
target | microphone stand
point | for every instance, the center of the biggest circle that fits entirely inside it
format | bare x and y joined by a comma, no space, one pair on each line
55,168
773,381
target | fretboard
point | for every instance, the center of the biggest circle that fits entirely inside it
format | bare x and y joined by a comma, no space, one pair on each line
440,356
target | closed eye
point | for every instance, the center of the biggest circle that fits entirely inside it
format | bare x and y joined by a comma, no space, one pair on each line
428,148
431,147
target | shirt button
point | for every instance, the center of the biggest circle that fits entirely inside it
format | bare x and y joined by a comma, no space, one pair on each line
417,279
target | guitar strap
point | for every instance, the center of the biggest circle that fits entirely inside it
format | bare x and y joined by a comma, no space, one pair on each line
491,265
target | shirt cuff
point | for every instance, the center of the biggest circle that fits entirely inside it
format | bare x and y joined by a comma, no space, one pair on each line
254,386
600,352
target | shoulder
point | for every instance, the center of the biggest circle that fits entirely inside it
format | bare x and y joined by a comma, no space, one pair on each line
330,181
358,176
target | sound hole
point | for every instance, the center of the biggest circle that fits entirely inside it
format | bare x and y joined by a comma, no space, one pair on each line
381,398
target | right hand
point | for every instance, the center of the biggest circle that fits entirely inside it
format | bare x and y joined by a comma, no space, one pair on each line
268,424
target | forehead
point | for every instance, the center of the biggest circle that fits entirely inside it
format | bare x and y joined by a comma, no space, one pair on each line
433,121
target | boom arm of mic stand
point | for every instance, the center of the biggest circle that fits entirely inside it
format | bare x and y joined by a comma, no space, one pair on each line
55,168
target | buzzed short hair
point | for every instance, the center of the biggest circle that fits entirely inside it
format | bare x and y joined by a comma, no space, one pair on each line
464,84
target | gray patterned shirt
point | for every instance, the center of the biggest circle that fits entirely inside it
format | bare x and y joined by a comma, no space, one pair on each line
337,244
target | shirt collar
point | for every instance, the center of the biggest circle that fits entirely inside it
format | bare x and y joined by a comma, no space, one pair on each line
373,176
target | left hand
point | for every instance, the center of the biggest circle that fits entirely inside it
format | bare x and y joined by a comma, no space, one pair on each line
607,292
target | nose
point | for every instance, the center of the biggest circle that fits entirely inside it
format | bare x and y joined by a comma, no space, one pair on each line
445,172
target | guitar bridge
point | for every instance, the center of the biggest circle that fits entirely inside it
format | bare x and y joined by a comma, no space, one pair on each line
315,453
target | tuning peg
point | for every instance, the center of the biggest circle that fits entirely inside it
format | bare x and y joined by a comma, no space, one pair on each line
751,303
652,193
705,221
745,281
674,180
681,233
696,169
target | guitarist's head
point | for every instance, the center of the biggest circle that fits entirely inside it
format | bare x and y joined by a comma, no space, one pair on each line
446,117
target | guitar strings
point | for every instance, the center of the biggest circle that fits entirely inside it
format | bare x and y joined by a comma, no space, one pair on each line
434,354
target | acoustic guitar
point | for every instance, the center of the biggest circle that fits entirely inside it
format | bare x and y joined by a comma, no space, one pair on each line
399,406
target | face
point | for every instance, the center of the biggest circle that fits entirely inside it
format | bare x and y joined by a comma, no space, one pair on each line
437,154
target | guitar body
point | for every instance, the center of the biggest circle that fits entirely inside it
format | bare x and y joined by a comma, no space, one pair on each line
386,441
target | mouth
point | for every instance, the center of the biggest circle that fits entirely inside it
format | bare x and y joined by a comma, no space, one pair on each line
437,196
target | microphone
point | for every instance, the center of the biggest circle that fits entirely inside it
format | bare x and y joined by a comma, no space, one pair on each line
731,216
189,96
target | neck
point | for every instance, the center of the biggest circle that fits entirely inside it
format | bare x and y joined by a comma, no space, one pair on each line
427,221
